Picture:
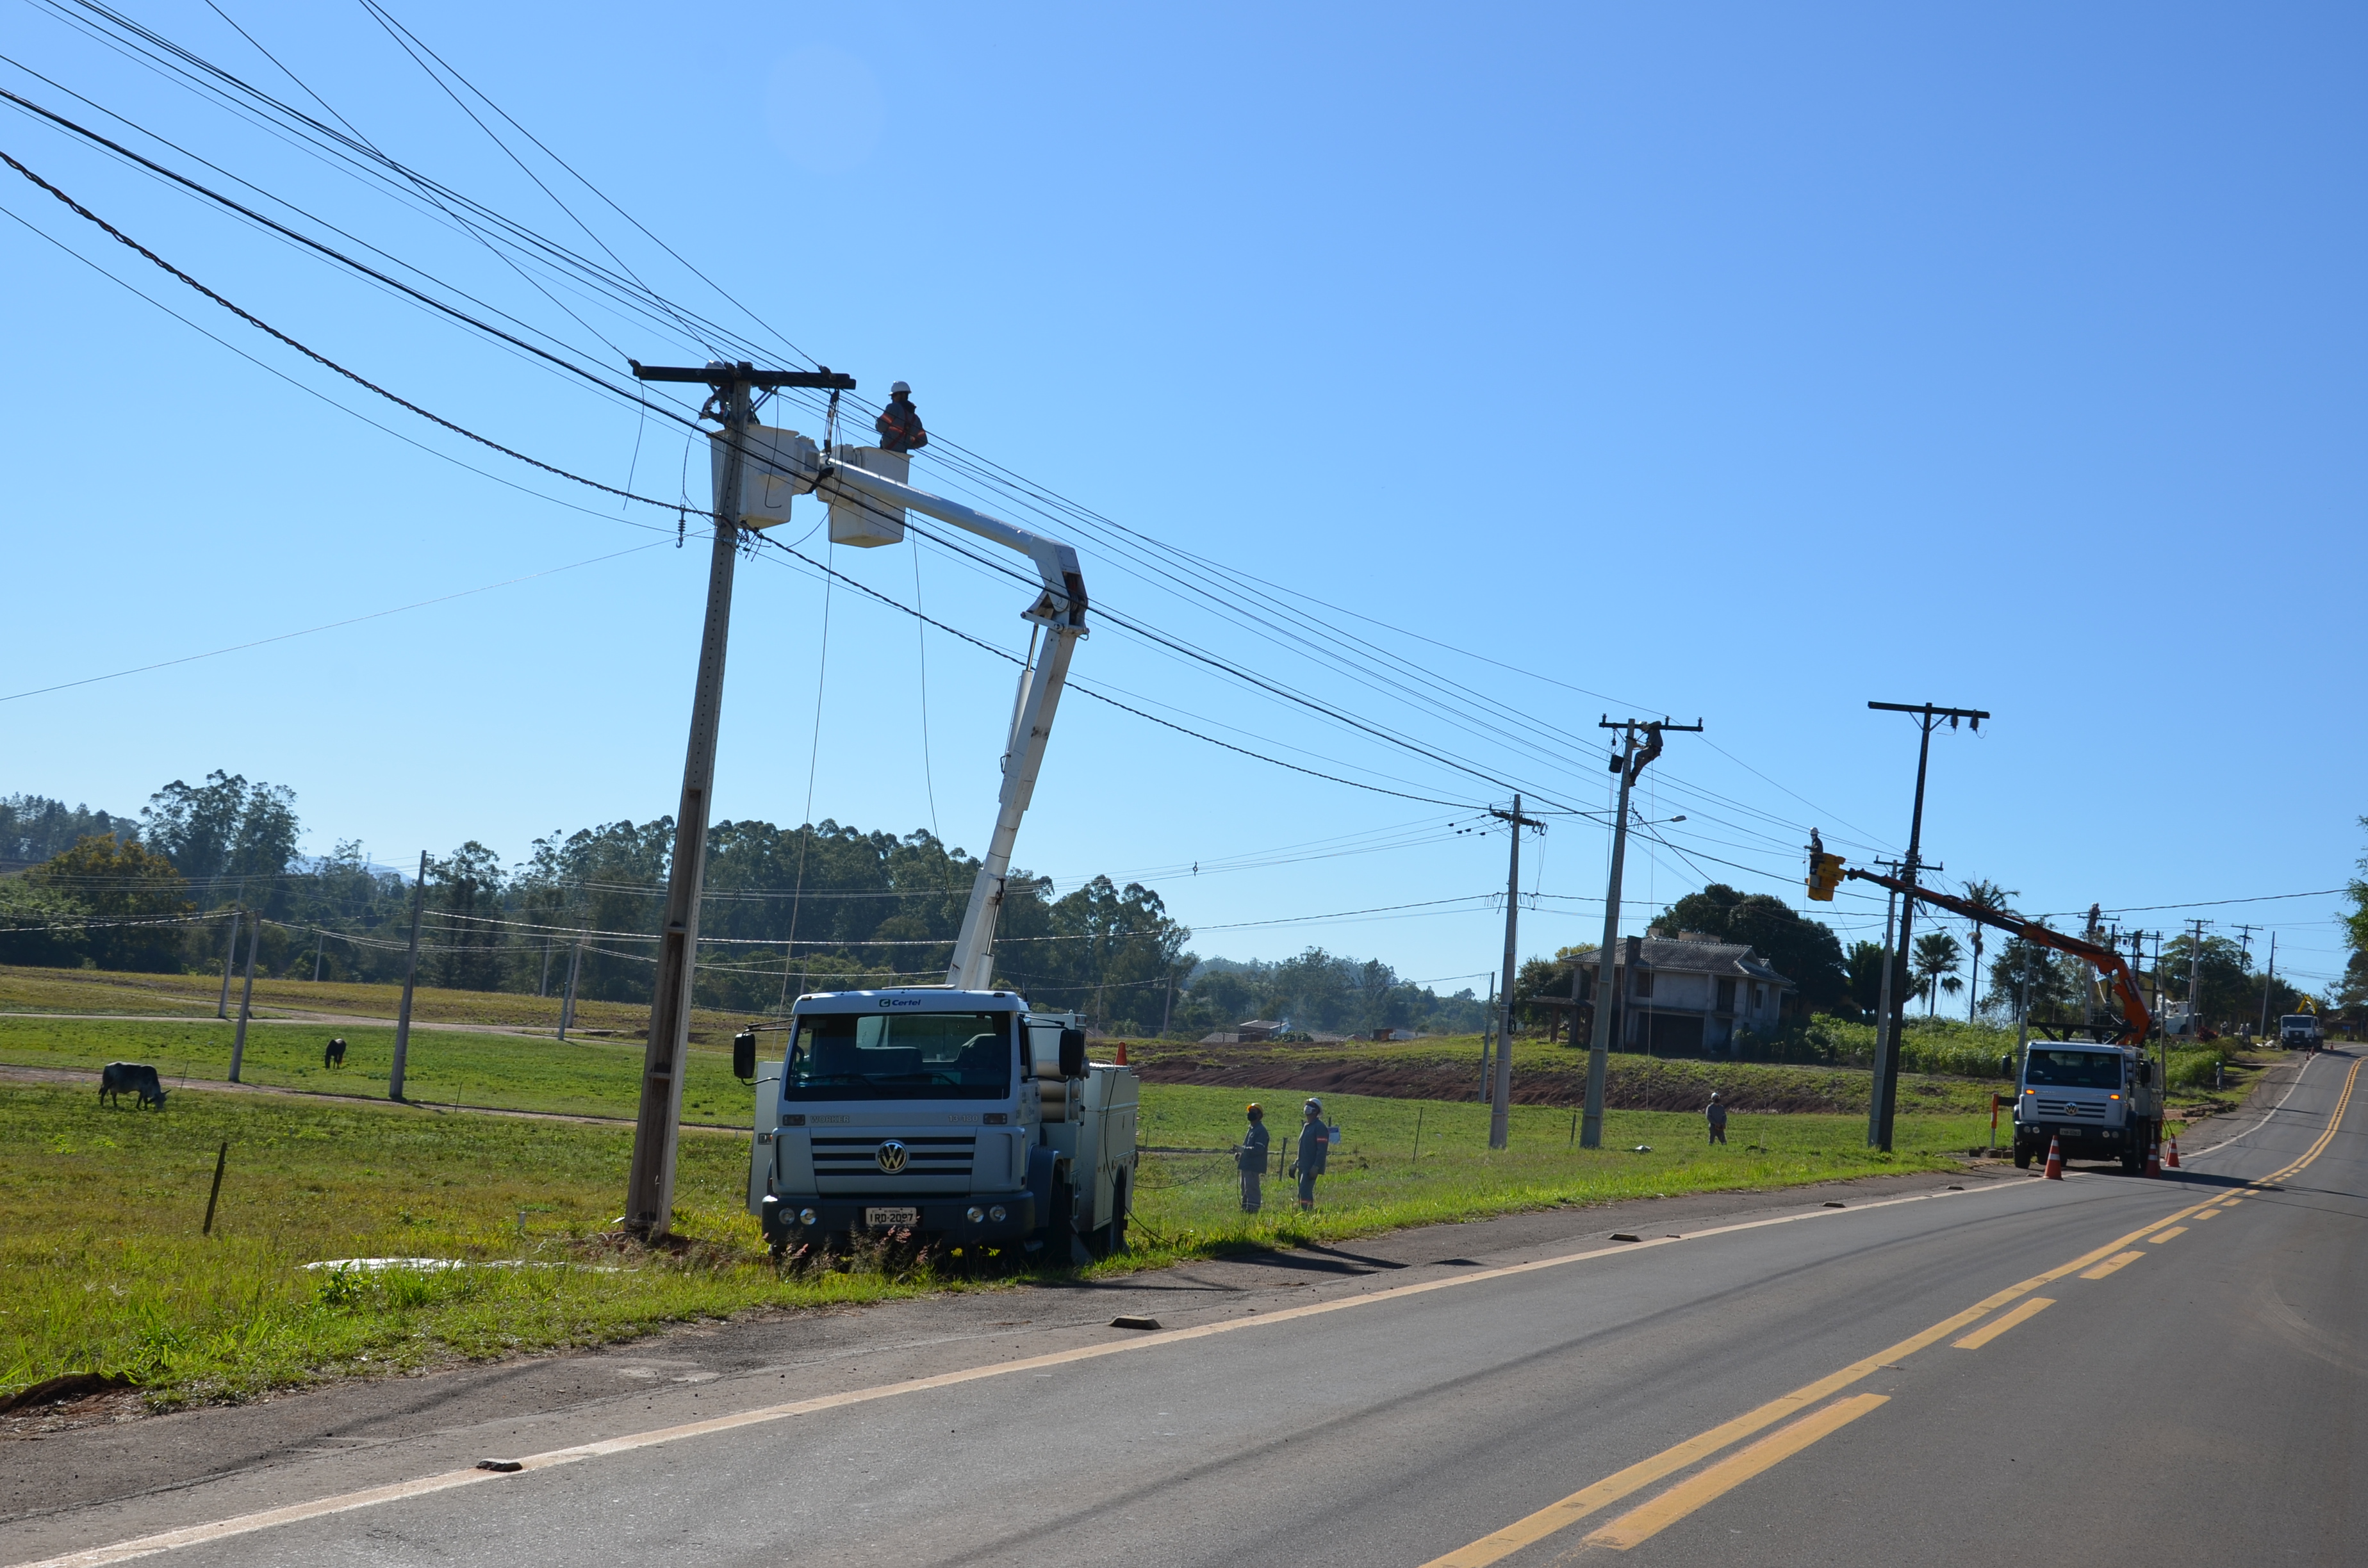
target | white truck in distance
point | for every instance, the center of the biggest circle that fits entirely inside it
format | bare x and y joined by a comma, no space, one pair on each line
2097,1102
956,1116
2299,1031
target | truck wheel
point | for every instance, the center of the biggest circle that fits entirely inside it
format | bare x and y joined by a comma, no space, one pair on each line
2021,1155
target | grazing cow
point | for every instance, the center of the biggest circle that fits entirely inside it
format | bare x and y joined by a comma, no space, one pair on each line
120,1078
334,1053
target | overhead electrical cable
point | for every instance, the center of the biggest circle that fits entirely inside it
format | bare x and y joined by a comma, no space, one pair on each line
1181,562
315,355
327,626
324,249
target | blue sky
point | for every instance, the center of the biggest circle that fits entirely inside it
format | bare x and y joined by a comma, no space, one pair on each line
1727,362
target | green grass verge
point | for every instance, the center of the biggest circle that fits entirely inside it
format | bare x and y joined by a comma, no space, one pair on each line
577,1077
1190,1204
25,989
103,1268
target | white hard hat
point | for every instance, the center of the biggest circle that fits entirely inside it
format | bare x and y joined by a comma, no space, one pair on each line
900,387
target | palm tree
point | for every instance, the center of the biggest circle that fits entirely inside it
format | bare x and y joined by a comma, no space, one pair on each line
1937,953
1989,895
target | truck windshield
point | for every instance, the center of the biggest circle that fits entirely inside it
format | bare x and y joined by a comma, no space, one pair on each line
2074,1069
902,1056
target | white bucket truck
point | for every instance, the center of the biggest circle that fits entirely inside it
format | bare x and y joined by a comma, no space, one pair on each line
956,1116
951,1112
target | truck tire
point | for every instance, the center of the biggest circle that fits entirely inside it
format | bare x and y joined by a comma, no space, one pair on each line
2021,1155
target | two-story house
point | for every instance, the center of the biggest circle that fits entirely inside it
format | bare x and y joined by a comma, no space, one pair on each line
1687,996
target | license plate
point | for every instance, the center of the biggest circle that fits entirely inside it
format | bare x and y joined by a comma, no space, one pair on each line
892,1216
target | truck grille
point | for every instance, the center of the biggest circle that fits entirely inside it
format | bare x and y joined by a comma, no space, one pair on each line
2068,1110
924,1156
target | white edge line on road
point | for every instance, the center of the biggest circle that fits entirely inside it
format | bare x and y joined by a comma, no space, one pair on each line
2274,1110
294,1513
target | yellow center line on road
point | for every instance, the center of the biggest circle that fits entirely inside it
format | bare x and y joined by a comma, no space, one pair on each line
1641,1524
1999,1325
1559,1516
2207,1213
2119,1260
2166,1235
1570,1510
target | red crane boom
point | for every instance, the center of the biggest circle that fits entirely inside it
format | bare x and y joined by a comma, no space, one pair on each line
2137,1022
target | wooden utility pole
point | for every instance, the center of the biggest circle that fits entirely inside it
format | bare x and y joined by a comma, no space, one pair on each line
1886,1100
1882,1054
230,962
1500,1099
649,1186
410,979
2195,983
2268,980
568,1009
246,1003
1630,761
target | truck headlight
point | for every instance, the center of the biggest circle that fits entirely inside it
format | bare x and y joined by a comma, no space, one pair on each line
973,1213
995,1213
807,1216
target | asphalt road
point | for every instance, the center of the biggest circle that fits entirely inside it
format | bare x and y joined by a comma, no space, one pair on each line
2105,1369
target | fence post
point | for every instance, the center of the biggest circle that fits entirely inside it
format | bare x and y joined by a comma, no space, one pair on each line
220,1160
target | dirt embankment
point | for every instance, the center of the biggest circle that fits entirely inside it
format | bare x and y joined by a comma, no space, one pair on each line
1629,1084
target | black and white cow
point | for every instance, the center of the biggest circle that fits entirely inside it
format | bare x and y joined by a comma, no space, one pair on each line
120,1078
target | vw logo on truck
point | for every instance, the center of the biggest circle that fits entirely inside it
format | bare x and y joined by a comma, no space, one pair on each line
892,1155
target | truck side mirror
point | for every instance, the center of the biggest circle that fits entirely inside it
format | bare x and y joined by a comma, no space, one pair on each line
744,1055
2146,1071
1072,1054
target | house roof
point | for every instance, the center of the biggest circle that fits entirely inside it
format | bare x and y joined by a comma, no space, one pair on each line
1683,957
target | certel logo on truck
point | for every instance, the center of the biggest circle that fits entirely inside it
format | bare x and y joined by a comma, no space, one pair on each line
898,1002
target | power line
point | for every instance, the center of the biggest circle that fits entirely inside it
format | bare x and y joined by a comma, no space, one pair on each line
327,626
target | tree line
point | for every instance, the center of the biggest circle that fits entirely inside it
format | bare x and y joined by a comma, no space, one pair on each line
785,910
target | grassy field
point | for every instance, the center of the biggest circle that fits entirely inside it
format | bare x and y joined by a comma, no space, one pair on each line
101,990
502,1072
104,1269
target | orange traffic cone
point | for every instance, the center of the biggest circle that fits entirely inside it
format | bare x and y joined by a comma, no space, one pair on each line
2054,1171
2154,1160
1121,1053
2173,1161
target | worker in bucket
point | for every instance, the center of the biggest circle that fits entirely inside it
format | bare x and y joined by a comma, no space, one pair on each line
1314,1145
1716,1112
1249,1158
900,423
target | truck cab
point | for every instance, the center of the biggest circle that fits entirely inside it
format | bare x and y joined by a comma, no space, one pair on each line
960,1116
2299,1031
2095,1101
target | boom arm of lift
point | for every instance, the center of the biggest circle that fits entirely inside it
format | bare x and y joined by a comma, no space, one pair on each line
1060,615
2136,1021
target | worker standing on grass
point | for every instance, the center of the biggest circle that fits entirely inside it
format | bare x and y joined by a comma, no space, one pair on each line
1716,1113
1249,1158
1314,1144
900,423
